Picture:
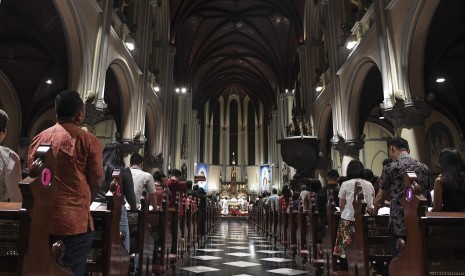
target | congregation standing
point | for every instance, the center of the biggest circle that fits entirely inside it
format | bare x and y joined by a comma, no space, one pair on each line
83,174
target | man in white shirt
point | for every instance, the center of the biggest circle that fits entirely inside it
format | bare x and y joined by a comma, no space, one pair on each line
143,181
10,167
273,200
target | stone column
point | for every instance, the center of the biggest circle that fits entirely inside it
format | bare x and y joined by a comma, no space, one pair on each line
389,73
142,58
168,110
273,148
99,67
348,151
241,160
194,144
334,37
224,158
408,120
306,75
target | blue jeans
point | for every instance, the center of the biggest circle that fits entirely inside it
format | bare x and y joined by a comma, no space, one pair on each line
124,226
77,247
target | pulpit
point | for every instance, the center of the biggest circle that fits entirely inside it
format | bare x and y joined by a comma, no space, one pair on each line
300,149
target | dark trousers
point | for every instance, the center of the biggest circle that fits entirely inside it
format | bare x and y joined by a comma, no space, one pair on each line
77,247
394,249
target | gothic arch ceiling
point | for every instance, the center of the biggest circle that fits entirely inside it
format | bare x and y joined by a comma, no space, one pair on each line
249,46
445,57
33,50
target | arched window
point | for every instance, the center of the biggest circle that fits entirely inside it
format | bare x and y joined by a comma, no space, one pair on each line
233,129
251,134
216,135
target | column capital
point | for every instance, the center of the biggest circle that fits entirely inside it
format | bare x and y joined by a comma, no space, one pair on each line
154,160
302,48
350,147
130,146
171,50
93,113
408,114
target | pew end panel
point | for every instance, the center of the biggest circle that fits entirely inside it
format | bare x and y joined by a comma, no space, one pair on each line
108,255
14,231
410,261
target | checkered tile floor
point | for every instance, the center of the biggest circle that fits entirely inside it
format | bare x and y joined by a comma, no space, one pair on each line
240,251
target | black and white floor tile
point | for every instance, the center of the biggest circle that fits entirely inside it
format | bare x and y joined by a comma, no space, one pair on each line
236,248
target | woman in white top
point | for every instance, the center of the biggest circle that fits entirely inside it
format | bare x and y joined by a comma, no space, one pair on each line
355,173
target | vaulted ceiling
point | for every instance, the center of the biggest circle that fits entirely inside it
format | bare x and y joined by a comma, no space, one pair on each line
33,54
248,46
445,57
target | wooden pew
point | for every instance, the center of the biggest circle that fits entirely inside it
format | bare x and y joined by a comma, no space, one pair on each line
284,223
302,249
108,255
174,230
316,263
275,226
410,260
370,241
443,239
293,225
142,242
189,223
195,219
24,227
329,239
160,226
435,241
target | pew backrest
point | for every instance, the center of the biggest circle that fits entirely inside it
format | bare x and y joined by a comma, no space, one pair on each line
443,238
25,227
410,260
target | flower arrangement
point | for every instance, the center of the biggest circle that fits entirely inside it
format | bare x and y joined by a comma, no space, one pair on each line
234,212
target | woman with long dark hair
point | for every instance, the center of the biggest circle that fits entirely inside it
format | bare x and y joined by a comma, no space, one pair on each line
113,160
355,173
449,187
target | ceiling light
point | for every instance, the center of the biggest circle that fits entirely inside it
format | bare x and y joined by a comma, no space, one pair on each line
183,90
130,45
177,90
318,88
287,90
49,81
157,88
351,44
440,79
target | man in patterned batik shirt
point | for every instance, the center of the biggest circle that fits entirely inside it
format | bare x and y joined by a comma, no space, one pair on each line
78,173
392,180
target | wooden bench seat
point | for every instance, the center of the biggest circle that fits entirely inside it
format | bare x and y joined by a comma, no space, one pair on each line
25,227
108,255
435,241
370,250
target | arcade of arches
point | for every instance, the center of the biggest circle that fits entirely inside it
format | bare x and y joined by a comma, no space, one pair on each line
191,82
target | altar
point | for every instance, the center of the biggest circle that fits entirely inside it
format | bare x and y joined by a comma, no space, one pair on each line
233,194
233,188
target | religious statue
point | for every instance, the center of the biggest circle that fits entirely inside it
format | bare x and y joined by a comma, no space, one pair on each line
285,171
184,172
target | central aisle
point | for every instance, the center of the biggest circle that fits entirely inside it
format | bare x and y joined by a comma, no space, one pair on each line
236,248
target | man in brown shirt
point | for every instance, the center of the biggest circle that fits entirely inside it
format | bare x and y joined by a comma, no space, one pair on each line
78,173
